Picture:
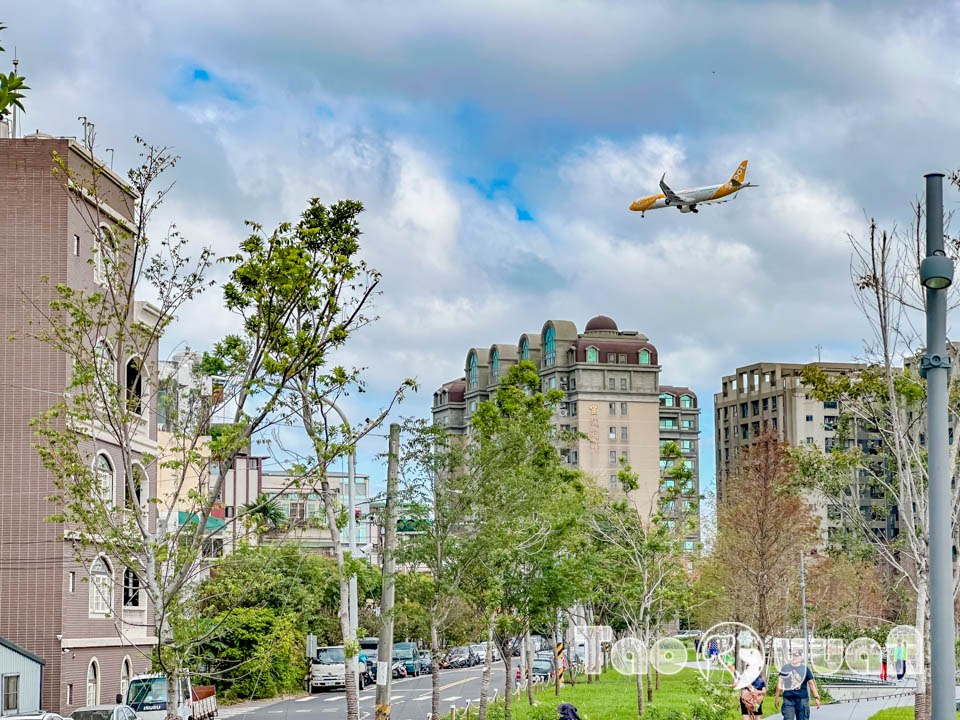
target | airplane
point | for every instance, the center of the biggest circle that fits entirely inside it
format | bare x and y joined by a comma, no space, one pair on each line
687,200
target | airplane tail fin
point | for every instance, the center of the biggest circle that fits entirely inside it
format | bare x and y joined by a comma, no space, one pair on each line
740,174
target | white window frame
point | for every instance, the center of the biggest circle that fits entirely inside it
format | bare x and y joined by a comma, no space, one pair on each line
3,695
95,700
99,271
126,668
101,591
106,494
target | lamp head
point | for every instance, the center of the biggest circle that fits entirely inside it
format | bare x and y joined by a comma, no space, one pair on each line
936,271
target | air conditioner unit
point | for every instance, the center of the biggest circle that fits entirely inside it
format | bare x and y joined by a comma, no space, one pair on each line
564,412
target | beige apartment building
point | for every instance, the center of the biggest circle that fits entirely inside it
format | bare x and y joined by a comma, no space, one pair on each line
611,382
772,397
89,622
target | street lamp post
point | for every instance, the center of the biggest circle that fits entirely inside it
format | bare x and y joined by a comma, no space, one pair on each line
351,537
936,274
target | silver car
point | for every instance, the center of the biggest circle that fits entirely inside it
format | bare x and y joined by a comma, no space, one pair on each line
41,715
104,712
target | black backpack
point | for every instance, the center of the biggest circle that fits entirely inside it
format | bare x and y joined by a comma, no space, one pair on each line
568,712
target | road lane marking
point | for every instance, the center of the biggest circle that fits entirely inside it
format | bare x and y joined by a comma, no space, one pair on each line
335,699
306,699
458,682
450,699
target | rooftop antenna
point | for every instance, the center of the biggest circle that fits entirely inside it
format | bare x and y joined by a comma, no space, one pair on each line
819,348
16,64
88,133
110,150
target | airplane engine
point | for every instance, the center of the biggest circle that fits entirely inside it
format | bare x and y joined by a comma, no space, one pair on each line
685,208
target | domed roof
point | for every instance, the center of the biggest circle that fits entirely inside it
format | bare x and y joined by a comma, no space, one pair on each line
601,322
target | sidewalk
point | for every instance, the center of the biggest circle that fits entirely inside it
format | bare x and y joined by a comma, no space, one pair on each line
242,708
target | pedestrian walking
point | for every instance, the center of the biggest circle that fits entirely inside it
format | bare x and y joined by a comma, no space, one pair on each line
883,663
795,685
713,650
901,659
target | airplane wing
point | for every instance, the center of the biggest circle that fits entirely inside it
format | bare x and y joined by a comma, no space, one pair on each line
669,194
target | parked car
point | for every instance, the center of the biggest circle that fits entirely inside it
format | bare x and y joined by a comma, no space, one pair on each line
426,662
147,695
461,656
104,712
494,651
409,654
544,655
39,715
543,669
480,653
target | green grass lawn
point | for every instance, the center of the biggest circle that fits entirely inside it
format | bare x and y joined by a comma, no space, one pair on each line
897,713
614,697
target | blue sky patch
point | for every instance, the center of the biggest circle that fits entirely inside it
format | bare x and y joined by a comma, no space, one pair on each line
194,82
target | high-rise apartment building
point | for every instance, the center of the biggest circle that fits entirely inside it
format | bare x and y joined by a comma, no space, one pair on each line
772,397
611,382
89,621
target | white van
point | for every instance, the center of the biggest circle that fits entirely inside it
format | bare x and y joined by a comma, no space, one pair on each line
147,695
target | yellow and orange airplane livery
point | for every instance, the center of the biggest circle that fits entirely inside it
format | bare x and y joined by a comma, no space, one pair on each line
688,200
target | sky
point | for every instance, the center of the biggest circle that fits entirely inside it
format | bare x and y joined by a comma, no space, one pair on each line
497,146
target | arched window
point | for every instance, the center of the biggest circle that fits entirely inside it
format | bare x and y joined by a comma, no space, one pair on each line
495,365
106,365
550,348
131,589
644,357
134,386
93,683
666,400
138,479
105,260
105,478
524,349
101,588
474,377
126,672
592,354
686,401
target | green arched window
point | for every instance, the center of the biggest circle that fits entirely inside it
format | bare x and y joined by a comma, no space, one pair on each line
666,400
474,378
591,354
550,347
524,349
495,365
686,401
644,357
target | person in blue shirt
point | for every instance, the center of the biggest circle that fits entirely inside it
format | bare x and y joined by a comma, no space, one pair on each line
795,684
751,699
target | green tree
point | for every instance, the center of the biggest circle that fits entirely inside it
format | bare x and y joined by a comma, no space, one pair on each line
263,514
440,494
287,296
12,87
516,462
641,566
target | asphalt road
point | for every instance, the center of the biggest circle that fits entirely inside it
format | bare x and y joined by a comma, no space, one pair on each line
410,699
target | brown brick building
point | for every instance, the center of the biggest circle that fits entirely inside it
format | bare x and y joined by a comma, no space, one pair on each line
612,394
91,642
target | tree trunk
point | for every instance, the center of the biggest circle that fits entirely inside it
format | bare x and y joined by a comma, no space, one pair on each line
487,667
921,703
639,692
656,674
528,644
350,650
569,639
173,697
508,681
435,670
649,678
556,660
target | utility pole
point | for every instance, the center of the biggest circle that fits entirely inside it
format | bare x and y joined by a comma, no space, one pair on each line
936,274
351,536
385,645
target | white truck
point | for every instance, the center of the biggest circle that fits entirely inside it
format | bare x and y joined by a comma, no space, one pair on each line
328,668
147,695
